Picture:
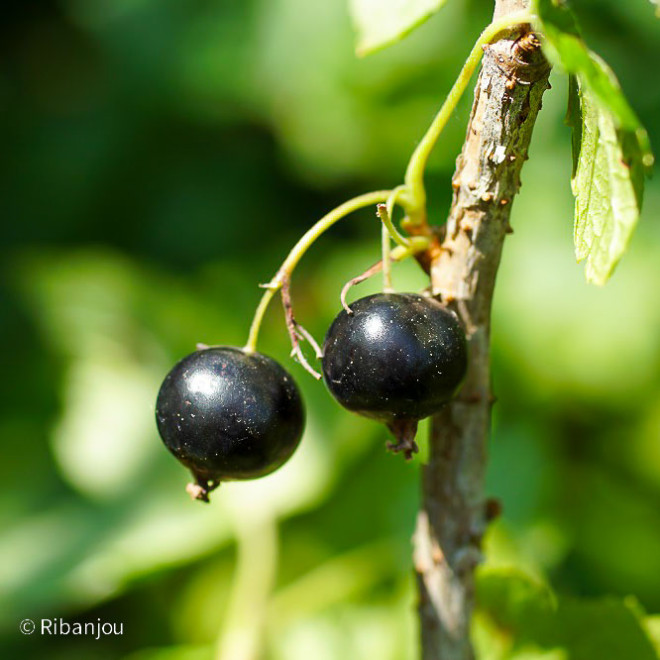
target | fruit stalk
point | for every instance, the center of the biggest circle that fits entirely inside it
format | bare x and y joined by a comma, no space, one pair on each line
453,515
298,251
413,192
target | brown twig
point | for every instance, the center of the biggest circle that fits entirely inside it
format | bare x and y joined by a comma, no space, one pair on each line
453,515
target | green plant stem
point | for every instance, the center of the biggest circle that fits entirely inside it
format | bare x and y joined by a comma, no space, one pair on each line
299,250
395,235
390,233
417,244
399,253
411,195
415,200
242,633
386,251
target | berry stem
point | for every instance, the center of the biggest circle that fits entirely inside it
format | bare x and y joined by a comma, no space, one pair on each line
414,179
372,270
298,251
386,250
399,253
411,195
395,196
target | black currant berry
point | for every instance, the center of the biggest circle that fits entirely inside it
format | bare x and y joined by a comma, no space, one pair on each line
397,358
227,414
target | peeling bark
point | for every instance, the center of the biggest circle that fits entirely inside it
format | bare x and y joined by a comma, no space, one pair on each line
454,513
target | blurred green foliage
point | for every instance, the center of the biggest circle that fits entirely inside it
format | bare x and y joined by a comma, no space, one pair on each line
160,157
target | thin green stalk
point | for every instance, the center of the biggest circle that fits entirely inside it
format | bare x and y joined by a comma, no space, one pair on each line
385,214
411,195
417,244
299,250
386,250
414,177
258,318
395,235
242,633
399,253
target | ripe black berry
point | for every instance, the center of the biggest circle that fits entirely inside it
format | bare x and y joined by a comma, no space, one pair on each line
227,414
397,358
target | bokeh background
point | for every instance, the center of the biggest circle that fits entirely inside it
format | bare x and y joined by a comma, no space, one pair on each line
159,159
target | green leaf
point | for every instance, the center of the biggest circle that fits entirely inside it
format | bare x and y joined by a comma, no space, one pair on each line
603,628
516,602
608,184
652,627
611,149
527,614
564,47
380,23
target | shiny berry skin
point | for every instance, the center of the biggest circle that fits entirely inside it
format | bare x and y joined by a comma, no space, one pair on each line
397,358
227,415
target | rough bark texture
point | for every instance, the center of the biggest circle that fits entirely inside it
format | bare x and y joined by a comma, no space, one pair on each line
454,513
